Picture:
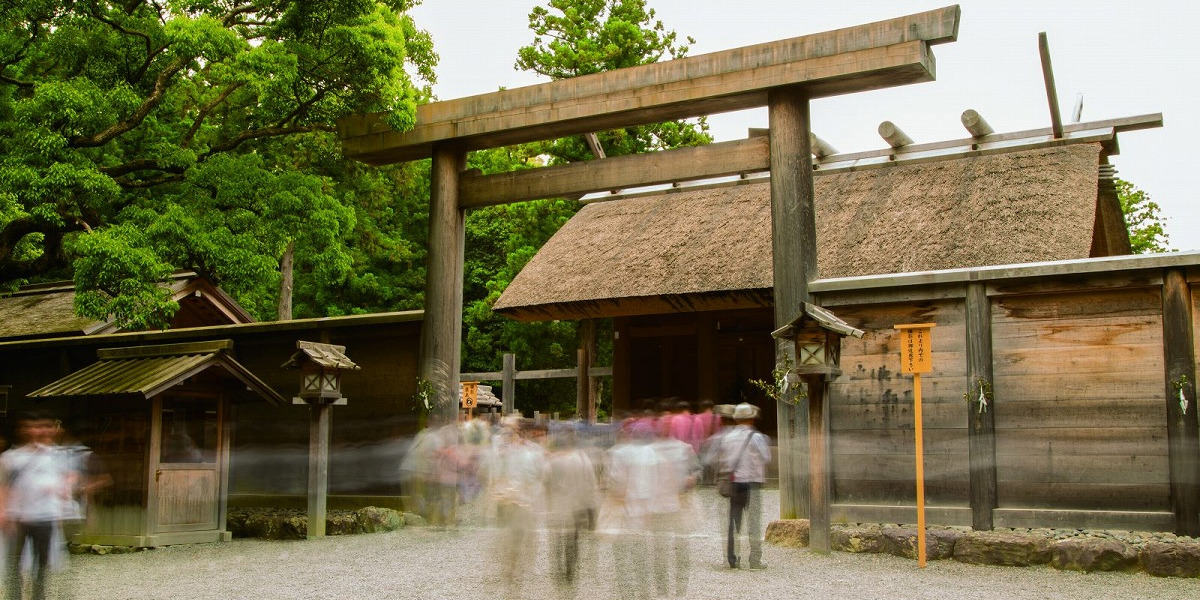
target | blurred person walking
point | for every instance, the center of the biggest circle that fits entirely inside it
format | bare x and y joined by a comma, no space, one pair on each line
517,475
632,472
572,497
676,471
39,479
744,455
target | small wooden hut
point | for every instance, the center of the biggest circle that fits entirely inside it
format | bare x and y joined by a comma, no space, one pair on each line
163,425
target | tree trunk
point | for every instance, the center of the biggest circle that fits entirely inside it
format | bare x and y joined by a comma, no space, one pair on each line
285,281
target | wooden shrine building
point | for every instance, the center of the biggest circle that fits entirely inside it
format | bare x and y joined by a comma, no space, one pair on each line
686,274
1061,391
782,75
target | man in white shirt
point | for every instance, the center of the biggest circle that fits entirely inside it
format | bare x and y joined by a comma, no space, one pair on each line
38,481
745,453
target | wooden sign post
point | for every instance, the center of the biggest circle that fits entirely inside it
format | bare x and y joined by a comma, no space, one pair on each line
915,358
470,397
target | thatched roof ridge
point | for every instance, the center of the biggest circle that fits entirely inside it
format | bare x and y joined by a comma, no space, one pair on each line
712,246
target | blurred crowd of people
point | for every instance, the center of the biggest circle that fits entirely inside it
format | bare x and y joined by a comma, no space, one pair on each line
637,473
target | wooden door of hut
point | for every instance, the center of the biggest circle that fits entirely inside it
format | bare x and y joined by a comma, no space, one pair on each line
187,440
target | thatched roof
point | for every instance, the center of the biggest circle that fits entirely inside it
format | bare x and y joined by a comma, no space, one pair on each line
711,248
48,310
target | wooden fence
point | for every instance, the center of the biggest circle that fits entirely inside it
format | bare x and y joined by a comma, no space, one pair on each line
585,400
1062,395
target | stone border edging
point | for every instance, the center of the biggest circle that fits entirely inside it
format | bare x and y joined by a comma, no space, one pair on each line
288,524
1158,554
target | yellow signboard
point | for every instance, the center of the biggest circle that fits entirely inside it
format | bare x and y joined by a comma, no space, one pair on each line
470,396
915,355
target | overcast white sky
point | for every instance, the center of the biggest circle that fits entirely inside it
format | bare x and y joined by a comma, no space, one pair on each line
1127,58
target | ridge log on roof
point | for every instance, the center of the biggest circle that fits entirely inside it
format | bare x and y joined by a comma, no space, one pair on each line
864,57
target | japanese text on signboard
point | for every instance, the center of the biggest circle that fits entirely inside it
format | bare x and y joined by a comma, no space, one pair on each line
915,354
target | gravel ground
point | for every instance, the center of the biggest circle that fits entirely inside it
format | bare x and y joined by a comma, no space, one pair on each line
423,562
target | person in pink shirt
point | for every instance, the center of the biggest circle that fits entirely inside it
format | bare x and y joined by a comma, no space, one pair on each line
704,424
679,424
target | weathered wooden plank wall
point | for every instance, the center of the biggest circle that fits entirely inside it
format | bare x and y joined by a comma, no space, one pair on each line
1079,401
1079,405
872,418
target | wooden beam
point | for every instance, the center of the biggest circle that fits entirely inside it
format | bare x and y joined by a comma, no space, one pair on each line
1052,269
708,361
820,147
981,428
893,135
1051,91
976,125
593,144
1183,435
318,468
442,330
581,384
534,374
821,490
864,57
579,178
622,366
226,418
508,381
794,261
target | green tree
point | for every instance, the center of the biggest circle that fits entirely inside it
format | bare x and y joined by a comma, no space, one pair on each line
384,252
582,37
1143,218
141,137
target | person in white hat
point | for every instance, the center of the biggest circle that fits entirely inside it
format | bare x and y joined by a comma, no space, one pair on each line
745,453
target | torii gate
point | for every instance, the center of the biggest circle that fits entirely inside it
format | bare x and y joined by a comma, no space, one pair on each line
782,75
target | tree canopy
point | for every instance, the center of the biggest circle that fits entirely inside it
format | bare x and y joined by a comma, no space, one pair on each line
1143,218
582,37
142,137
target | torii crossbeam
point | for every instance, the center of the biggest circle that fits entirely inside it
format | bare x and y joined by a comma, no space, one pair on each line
782,75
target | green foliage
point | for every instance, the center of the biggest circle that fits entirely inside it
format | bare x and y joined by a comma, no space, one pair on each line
500,240
141,137
1143,218
593,36
582,37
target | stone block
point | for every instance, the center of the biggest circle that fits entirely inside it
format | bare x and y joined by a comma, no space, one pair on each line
792,533
939,543
374,519
1091,554
1002,548
857,539
1175,559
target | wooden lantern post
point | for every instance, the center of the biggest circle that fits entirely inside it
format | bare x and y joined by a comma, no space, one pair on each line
817,334
915,358
321,367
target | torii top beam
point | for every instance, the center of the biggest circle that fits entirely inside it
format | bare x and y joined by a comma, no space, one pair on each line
864,57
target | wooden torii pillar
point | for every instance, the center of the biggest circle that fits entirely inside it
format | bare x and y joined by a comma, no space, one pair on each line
783,75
